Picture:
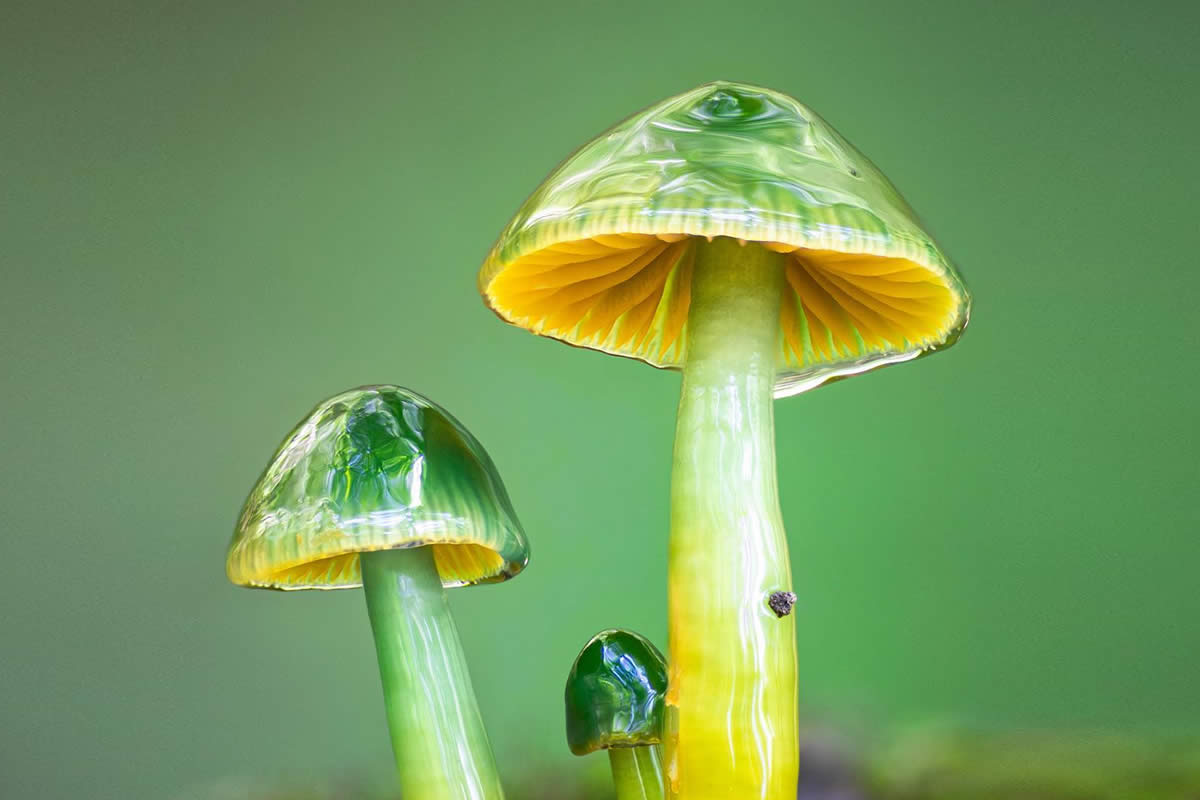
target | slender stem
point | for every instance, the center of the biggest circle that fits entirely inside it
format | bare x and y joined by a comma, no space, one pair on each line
637,772
442,751
731,704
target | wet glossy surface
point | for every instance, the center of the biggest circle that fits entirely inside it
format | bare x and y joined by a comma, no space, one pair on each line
595,256
441,748
637,772
614,695
375,468
731,710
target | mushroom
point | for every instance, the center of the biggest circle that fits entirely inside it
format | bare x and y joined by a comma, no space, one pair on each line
731,233
614,702
380,487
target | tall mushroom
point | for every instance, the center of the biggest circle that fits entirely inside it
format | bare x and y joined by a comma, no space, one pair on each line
731,233
380,487
614,702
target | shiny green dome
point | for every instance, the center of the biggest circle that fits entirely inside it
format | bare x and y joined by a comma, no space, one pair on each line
615,693
600,255
376,468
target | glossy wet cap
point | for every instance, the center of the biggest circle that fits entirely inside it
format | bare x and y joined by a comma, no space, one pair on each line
376,468
600,255
615,693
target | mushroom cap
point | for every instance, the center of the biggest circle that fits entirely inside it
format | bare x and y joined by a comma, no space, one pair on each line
600,255
615,693
376,468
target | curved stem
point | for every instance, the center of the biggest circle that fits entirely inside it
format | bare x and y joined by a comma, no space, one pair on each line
731,705
442,751
637,772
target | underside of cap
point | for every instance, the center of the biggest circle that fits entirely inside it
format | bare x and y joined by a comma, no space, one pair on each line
376,468
457,564
600,255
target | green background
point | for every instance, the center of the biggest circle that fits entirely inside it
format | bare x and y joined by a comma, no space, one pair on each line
213,215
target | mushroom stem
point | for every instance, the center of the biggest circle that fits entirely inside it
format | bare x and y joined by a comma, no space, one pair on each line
731,702
442,750
637,772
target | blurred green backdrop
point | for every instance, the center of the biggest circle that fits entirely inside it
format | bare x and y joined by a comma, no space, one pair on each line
216,214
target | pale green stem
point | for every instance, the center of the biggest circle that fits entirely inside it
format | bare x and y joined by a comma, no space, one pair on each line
637,772
442,751
731,705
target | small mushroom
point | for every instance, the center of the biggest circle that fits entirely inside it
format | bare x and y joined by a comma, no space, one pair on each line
380,487
730,233
614,702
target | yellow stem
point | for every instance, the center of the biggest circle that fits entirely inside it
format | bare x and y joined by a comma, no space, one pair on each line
731,704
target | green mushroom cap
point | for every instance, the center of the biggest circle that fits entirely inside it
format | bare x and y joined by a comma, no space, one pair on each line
615,693
376,468
601,254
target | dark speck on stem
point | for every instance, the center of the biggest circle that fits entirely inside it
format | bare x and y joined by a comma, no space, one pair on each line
782,603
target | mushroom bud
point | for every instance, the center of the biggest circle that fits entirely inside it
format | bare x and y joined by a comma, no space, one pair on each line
614,702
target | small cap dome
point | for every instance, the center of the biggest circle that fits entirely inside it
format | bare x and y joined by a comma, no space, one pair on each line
376,468
615,693
600,255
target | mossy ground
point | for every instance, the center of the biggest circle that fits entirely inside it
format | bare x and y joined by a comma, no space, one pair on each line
925,764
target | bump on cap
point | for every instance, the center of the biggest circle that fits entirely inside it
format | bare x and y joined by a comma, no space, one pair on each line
594,257
376,468
615,693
